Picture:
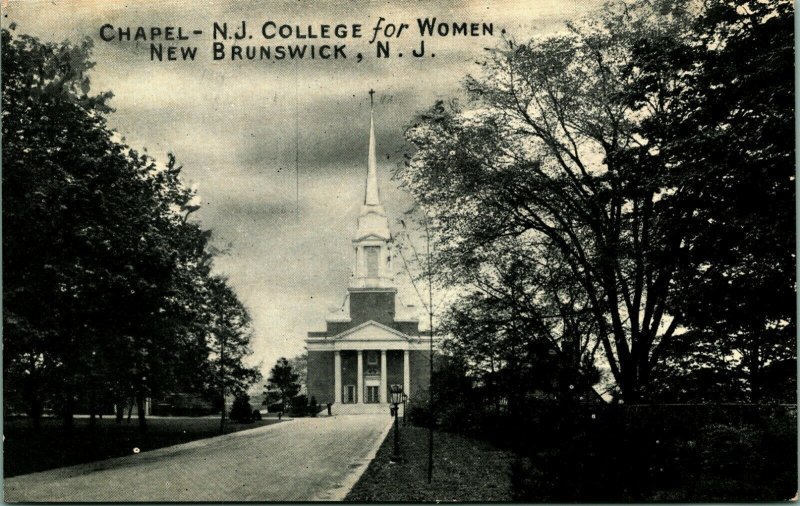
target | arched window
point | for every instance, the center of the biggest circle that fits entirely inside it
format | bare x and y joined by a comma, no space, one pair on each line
372,260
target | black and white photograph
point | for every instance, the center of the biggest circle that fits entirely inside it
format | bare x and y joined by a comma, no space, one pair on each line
530,251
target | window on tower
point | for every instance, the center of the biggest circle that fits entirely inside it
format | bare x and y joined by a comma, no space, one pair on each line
372,253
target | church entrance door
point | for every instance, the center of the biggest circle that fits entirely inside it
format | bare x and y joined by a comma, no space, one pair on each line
372,395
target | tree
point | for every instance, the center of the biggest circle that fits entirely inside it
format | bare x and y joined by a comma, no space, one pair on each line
515,339
568,162
282,382
104,272
240,411
299,365
734,124
229,336
51,131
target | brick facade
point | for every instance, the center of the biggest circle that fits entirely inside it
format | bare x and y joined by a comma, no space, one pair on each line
376,305
394,369
372,305
320,376
420,374
350,370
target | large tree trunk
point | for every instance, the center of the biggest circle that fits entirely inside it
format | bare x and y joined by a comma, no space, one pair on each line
119,410
69,406
34,402
222,417
35,411
92,407
493,387
140,405
754,370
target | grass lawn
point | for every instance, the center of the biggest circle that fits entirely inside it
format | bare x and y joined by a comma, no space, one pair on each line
26,452
463,470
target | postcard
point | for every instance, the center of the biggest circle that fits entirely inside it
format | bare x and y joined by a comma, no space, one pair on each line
461,250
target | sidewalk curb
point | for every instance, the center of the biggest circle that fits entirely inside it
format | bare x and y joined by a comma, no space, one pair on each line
338,494
102,465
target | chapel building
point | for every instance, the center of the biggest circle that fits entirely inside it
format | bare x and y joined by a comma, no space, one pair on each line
373,341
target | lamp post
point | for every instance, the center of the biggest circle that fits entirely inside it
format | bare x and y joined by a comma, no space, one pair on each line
396,397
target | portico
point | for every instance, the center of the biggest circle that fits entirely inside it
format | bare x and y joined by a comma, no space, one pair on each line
363,392
367,359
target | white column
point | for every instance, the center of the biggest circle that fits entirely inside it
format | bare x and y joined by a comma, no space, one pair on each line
382,397
360,379
406,374
386,266
337,376
361,265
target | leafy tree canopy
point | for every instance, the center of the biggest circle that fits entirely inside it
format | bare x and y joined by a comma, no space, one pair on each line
617,186
107,287
283,382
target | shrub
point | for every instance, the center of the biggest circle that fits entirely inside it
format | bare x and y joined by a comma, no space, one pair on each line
299,406
256,415
635,453
240,411
420,415
730,462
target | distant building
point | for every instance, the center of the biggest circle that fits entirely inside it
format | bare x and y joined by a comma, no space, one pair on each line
373,341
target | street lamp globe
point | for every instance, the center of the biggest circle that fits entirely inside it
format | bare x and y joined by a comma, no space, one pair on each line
396,394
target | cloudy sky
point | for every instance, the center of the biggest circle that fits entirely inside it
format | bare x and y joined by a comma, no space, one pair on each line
232,125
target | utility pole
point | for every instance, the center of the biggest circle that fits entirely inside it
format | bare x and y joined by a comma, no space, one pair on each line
222,380
430,326
430,355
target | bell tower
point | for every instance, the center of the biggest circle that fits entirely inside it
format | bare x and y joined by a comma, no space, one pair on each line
372,244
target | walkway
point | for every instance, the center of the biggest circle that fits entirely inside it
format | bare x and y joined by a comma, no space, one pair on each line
305,459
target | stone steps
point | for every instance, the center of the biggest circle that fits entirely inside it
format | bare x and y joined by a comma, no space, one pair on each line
360,409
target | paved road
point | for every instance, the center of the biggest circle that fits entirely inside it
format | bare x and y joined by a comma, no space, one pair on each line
305,459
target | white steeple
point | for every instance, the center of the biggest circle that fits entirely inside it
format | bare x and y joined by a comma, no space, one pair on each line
372,195
372,242
372,220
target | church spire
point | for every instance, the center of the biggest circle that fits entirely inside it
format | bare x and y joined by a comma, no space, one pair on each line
372,197
373,241
372,220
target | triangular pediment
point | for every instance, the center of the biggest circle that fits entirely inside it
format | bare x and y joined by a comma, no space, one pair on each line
373,237
371,331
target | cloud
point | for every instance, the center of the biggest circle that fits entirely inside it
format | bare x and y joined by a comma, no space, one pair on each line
232,125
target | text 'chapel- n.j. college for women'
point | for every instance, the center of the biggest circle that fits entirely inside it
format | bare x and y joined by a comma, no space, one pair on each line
373,341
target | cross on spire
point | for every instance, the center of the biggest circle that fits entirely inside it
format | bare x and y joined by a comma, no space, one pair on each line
371,94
